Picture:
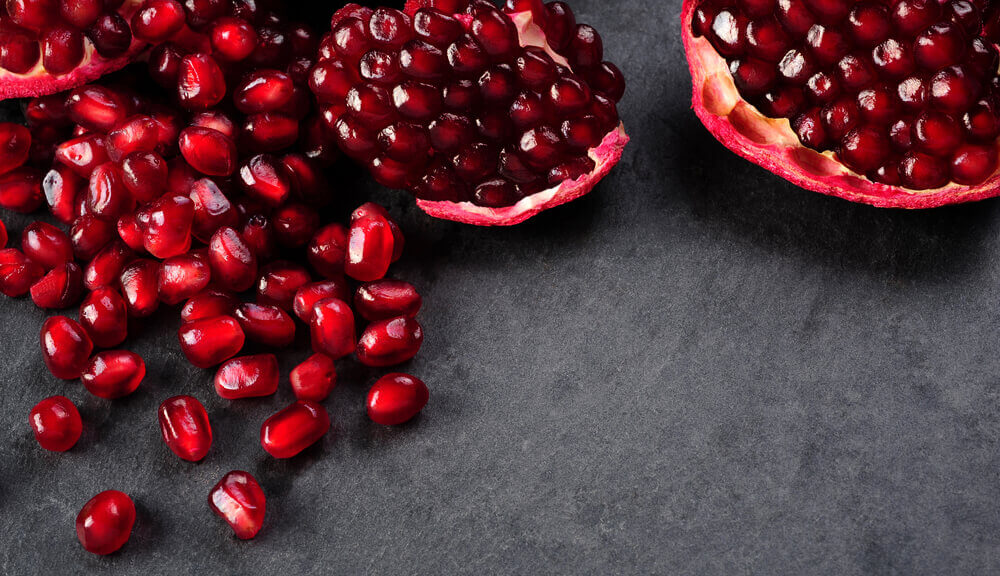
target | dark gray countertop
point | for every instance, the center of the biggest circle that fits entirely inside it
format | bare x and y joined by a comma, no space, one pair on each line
698,369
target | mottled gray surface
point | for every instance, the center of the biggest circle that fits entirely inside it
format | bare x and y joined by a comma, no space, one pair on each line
698,369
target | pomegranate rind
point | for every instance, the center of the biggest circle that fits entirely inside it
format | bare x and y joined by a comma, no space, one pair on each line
606,155
38,82
772,144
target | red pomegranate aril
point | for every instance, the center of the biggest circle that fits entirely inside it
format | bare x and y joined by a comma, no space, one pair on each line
265,178
295,224
157,20
279,282
56,423
314,378
65,347
106,266
247,377
113,374
396,398
328,250
60,288
233,39
268,325
144,174
332,328
21,190
370,248
921,171
909,17
181,277
107,196
208,151
140,287
201,83
239,500
136,134
864,149
17,273
292,430
972,164
209,304
19,53
46,245
15,143
207,342
234,265
258,233
105,523
110,35
61,187
384,299
96,108
936,133
185,427
104,316
309,294
166,225
212,209
90,235
131,233
62,50
269,132
389,342
263,91
83,154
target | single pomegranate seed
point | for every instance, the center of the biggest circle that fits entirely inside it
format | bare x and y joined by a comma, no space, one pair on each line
292,430
144,174
258,233
212,209
207,342
46,245
265,178
278,283
56,423
269,132
328,251
21,190
106,266
17,273
370,248
15,143
390,342
263,91
332,328
247,377
239,500
308,180
19,53
201,83
130,232
233,39
60,288
157,20
314,378
208,151
65,347
140,286
62,50
208,304
295,224
113,374
83,154
105,522
181,277
96,108
396,398
111,35
310,294
61,186
166,225
185,427
217,121
384,299
136,134
107,196
89,235
104,316
268,325
234,265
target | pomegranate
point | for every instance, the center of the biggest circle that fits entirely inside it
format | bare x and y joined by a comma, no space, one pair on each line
207,342
384,299
65,347
239,500
56,423
104,315
332,328
389,342
890,104
396,398
105,522
314,378
247,377
113,374
185,427
292,430
486,116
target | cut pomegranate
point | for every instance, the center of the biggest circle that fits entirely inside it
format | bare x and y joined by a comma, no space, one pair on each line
292,430
113,374
207,342
208,304
384,299
488,117
105,522
890,105
307,296
390,342
396,398
60,288
332,328
239,500
140,281
314,378
247,377
56,423
65,347
185,427
104,316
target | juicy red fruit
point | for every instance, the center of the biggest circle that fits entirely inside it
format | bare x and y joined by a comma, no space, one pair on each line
185,427
239,500
104,524
113,374
210,341
292,430
65,347
314,378
56,423
389,342
247,377
396,398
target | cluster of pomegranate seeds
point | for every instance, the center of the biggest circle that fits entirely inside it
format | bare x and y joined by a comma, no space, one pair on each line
904,92
449,105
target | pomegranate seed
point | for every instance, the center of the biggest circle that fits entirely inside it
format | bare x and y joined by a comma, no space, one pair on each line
263,91
217,121
181,277
15,142
207,342
89,235
390,342
136,134
106,266
56,423
212,209
295,224
46,245
19,53
370,248
60,288
185,427
234,265
208,304
332,328
314,378
96,108
107,196
278,283
247,377
62,50
157,20
65,347
384,299
113,374
144,174
104,316
268,325
239,500
308,180
292,430
308,295
140,286
21,190
200,83
111,35
166,225
233,39
269,132
61,186
208,151
265,178
17,273
83,154
131,233
396,398
328,251
259,236
105,522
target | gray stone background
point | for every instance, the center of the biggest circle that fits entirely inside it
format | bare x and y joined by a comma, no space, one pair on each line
698,369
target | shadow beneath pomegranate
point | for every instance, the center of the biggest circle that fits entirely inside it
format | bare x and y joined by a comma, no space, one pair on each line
720,187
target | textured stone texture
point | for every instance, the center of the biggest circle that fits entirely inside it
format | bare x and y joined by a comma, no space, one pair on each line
698,369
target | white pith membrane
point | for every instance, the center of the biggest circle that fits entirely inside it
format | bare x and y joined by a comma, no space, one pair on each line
605,156
772,144
39,82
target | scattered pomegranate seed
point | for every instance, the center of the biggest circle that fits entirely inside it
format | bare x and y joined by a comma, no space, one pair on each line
390,342
292,430
105,522
328,251
239,500
17,273
60,288
332,328
207,342
140,286
181,277
267,325
314,378
309,294
103,314
113,374
185,427
56,423
396,398
234,265
247,377
208,304
370,248
384,299
279,282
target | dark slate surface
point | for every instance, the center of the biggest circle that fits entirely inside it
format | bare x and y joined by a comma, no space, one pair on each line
698,369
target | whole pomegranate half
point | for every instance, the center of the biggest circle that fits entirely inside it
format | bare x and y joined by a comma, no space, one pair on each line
893,103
